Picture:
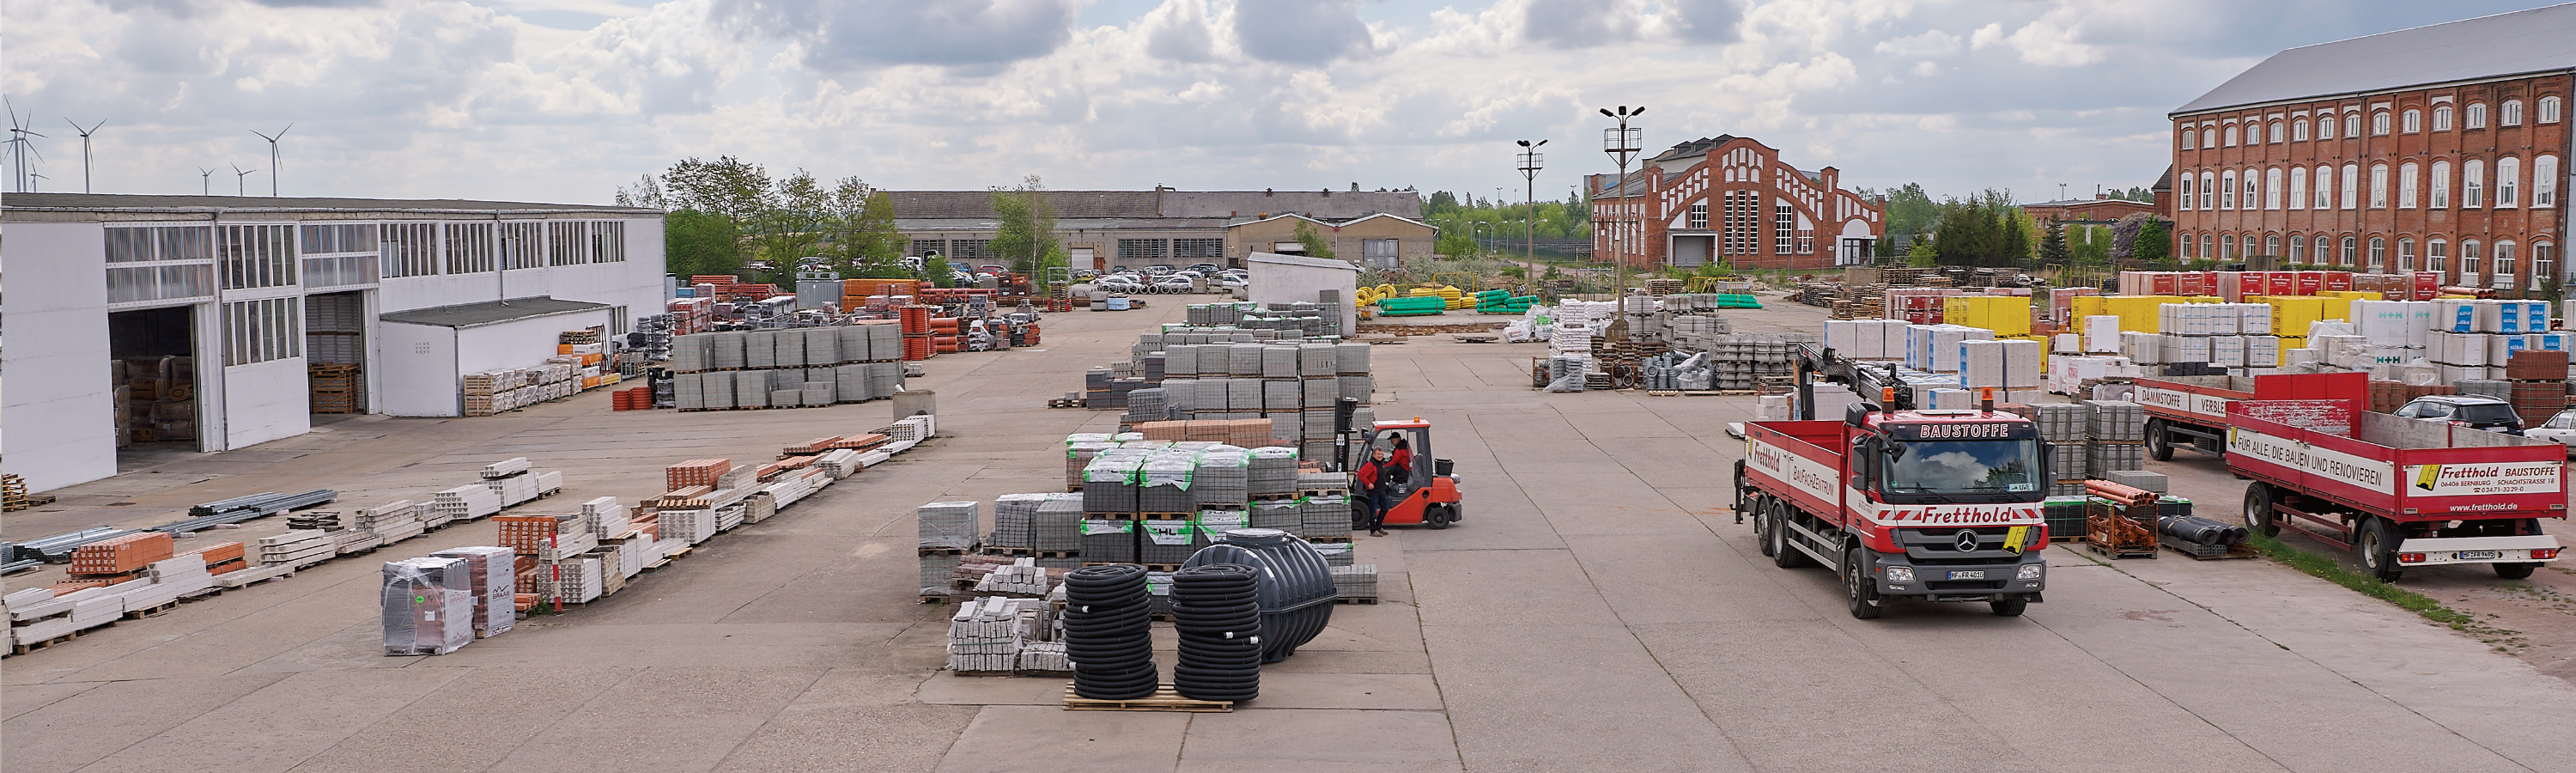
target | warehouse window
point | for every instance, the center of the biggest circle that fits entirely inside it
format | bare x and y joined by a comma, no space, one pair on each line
2508,182
2544,181
2469,259
2441,118
1138,253
1699,216
2406,185
1742,220
2504,264
2511,115
2473,183
2544,261
2441,185
2250,187
2548,114
608,241
339,238
2298,187
2186,202
2412,122
2325,187
2405,254
2379,123
2352,186
2249,246
2299,130
2325,126
2272,245
1197,250
2207,249
567,243
2437,255
2378,253
469,248
264,330
2276,135
255,255
2350,245
2227,190
967,251
159,243
1784,225
2272,188
2188,139
929,246
408,249
522,245
2378,186
2324,251
2352,124
131,284
2477,117
2298,247
2231,135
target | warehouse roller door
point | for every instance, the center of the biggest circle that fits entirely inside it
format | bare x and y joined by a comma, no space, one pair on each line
335,351
155,377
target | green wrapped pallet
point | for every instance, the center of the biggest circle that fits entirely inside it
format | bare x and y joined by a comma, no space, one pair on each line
1430,303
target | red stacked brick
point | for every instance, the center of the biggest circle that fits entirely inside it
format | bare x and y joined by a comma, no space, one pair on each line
695,472
121,555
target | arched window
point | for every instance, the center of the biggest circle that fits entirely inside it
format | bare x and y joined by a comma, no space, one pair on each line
2272,245
2298,248
2231,135
2325,187
2272,192
2276,131
2187,138
2508,182
2544,262
2208,137
2321,256
2249,246
2325,126
2406,185
2379,123
2441,118
2299,130
2548,114
2350,245
2470,260
2186,202
2437,256
2441,185
2378,186
2227,189
2352,186
2473,184
2206,192
2352,124
2511,115
2251,187
2504,264
2412,121
2477,119
2378,253
2544,181
2205,249
2298,188
2405,254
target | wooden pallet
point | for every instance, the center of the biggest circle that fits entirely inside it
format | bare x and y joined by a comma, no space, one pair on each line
152,611
1163,699
2202,552
1162,516
1031,553
940,551
1354,600
1064,403
1322,492
1275,497
935,598
14,497
21,649
1341,540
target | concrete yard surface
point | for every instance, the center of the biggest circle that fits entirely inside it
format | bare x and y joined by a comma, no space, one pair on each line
1598,609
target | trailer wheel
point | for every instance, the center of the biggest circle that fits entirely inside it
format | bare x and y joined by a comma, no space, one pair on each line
2516,571
1783,554
1762,522
2259,517
1858,588
2377,548
2159,447
2009,607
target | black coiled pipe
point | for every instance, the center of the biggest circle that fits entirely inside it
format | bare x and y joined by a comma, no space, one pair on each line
1216,608
1108,633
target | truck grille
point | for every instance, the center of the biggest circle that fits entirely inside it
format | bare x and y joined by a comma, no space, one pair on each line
1935,547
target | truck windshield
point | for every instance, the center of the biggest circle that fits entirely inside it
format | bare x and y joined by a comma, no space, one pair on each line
1966,467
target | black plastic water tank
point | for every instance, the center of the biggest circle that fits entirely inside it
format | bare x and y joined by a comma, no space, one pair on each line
1296,585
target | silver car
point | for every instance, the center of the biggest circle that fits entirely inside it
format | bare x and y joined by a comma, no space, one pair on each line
2560,429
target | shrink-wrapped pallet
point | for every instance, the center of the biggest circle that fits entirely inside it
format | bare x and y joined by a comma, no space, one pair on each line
428,606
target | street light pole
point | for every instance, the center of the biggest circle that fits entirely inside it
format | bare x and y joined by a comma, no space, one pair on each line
1530,158
1622,145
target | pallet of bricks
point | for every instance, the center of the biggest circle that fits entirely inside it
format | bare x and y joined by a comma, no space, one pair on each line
791,368
1288,385
2065,428
113,579
2114,437
509,389
2538,380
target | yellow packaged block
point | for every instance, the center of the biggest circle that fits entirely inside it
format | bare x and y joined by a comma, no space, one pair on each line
2292,313
2007,315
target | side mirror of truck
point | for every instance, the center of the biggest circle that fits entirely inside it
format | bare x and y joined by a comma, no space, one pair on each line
1857,414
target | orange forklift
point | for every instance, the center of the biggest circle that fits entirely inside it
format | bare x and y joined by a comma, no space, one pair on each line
1429,497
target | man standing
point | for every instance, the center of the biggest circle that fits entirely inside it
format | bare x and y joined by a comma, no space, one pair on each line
1373,485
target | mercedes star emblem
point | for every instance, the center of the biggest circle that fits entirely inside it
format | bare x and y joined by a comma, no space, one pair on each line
1966,540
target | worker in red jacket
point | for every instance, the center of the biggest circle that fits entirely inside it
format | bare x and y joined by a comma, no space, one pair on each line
1373,486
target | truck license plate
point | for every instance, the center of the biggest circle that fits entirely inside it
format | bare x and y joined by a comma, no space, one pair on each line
1979,574
2477,555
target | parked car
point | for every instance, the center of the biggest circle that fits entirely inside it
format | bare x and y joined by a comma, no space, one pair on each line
1080,274
1176,284
1118,284
1230,283
1158,269
2477,411
2560,429
1207,268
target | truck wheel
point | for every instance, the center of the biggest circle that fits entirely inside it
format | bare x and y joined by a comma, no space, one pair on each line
2517,571
1859,588
1783,554
2009,607
2259,517
2159,447
1762,523
2377,548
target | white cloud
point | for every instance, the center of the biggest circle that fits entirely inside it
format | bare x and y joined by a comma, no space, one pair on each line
1929,43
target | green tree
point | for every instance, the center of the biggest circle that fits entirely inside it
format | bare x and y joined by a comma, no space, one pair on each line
790,223
874,247
1316,245
1454,244
697,242
1912,211
940,273
1441,203
1026,234
2052,245
2154,243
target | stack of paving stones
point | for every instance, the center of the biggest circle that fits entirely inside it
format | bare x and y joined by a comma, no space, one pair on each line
1286,515
1273,471
1108,541
1326,517
1221,479
1056,525
1355,581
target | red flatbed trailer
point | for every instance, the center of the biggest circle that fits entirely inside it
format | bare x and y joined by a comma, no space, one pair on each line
2191,411
2397,492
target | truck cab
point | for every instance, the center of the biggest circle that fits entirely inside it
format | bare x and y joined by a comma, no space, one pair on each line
1936,505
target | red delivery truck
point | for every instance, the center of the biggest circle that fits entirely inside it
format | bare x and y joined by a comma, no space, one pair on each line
2395,491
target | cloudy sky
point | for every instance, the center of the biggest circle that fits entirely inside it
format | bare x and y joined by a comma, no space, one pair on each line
563,100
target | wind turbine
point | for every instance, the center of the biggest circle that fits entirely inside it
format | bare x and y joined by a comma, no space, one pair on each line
205,181
239,178
21,146
273,163
32,184
84,135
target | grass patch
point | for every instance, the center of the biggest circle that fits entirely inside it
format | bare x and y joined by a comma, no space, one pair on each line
2328,568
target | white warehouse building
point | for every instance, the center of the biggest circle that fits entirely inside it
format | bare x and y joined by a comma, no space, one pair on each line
206,311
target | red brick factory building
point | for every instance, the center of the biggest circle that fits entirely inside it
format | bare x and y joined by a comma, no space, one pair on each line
1731,198
2440,148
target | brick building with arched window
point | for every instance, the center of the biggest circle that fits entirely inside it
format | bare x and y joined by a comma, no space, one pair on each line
1729,198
